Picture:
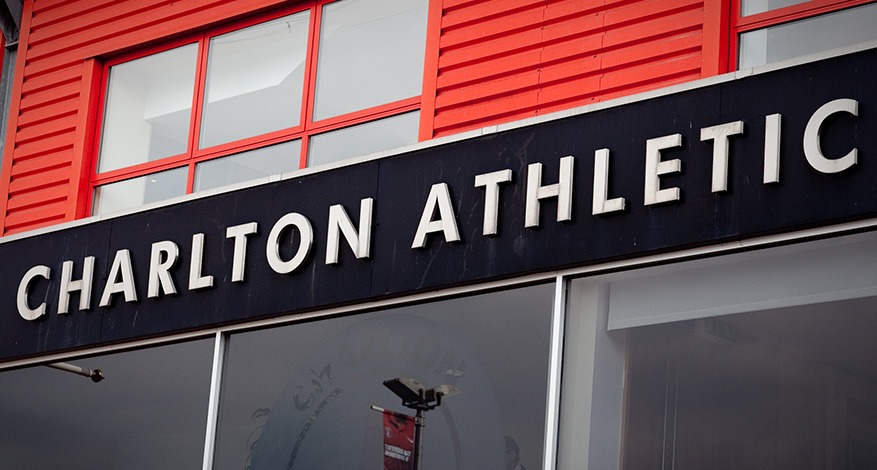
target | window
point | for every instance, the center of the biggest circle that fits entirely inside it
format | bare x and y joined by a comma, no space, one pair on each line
150,412
299,396
774,30
323,82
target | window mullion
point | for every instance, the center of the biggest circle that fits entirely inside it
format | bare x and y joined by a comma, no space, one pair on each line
311,74
197,101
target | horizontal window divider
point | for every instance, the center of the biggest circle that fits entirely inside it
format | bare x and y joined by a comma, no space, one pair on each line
367,115
146,168
250,143
793,13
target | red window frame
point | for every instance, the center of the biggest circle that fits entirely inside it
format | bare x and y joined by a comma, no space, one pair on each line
306,129
812,8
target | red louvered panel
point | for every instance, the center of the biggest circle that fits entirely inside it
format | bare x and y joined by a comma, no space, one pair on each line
652,72
46,214
508,108
653,27
40,163
464,13
656,49
41,147
70,74
639,12
51,178
563,53
56,126
486,90
59,109
49,96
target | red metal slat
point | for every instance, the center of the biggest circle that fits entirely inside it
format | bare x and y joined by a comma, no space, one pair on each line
42,146
70,74
655,49
45,162
59,109
29,183
654,26
457,16
497,109
639,12
32,218
56,126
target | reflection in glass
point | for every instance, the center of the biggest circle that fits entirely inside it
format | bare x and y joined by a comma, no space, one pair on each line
299,396
138,191
371,53
817,34
785,388
150,412
247,166
148,109
254,80
363,139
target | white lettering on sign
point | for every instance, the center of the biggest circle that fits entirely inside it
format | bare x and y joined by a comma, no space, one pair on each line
438,216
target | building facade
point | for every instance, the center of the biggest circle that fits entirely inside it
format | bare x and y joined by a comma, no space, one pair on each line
631,234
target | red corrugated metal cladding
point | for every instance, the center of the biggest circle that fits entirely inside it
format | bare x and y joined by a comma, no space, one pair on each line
492,61
505,60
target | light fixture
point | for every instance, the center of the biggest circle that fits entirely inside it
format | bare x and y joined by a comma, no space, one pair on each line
96,375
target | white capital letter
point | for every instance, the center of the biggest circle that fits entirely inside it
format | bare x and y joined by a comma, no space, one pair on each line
772,148
121,279
24,287
439,197
812,148
562,190
655,168
339,223
719,135
196,280
164,255
83,285
491,182
239,259
306,239
601,204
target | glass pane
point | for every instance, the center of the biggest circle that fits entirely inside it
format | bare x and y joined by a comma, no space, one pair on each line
821,33
363,139
138,191
254,80
785,388
751,7
371,53
150,412
248,165
149,104
299,396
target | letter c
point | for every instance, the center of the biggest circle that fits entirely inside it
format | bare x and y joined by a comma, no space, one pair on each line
812,149
24,310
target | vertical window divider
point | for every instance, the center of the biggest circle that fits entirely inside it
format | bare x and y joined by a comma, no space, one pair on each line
198,98
220,344
310,81
555,368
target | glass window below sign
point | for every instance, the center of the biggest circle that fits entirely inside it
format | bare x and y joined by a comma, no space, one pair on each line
301,396
149,412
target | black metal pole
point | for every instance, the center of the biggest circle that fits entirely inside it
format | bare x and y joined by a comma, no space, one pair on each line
418,437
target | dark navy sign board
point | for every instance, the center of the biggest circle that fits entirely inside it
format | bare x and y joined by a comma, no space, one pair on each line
399,185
